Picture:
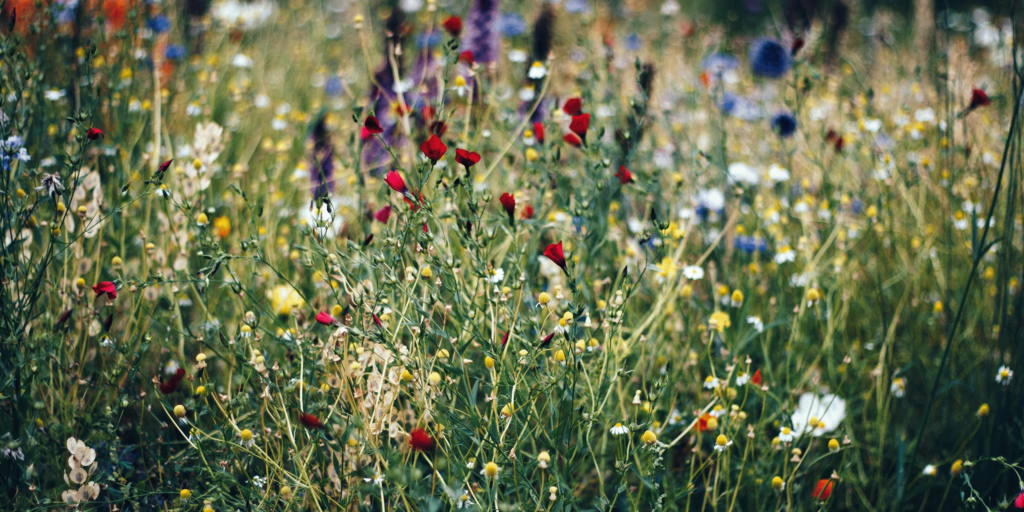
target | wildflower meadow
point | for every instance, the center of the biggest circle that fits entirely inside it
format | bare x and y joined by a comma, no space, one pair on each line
537,255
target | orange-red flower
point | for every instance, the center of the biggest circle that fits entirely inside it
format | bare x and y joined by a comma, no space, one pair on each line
579,125
94,133
573,106
625,177
823,490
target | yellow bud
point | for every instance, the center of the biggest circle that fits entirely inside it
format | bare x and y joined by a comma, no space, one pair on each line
179,411
649,437
202,220
543,298
833,445
560,356
983,411
407,375
426,273
489,362
185,493
434,378
777,483
336,311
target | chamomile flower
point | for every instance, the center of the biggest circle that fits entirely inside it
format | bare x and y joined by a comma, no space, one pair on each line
377,479
1004,375
742,379
497,275
786,255
460,86
463,501
711,382
929,470
619,430
490,470
248,438
756,322
898,387
778,484
722,443
537,71
786,435
693,272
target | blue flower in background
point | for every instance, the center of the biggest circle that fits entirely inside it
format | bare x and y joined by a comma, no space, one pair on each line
577,7
174,52
717,63
333,86
857,206
784,124
429,39
769,59
633,42
511,24
64,11
159,24
751,244
728,103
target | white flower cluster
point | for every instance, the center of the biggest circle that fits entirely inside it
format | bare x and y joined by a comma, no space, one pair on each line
81,457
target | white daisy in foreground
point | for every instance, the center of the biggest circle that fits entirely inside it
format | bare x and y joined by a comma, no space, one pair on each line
1004,375
537,71
818,414
693,272
786,435
722,443
742,379
712,382
498,275
248,438
618,430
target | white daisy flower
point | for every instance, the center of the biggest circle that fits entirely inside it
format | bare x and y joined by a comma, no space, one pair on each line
712,382
786,435
537,71
618,430
898,387
693,272
756,322
1004,375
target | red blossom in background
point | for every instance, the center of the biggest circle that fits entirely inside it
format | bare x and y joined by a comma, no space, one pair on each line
978,99
94,133
383,214
466,58
538,131
546,340
554,253
433,148
171,385
702,422
798,44
573,140
106,287
324,318
310,421
573,106
508,202
579,125
504,339
395,181
466,158
453,24
372,125
1019,502
163,167
420,440
376,320
756,379
823,490
527,212
625,177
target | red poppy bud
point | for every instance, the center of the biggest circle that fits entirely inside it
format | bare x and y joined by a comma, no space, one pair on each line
538,131
508,202
756,378
466,58
453,25
433,148
163,167
528,212
395,181
171,385
383,214
546,340
324,318
94,133
372,125
978,99
504,339
420,440
554,253
573,106
580,124
376,320
466,158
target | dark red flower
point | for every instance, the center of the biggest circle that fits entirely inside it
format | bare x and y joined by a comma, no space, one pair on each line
171,385
554,253
624,176
823,490
420,440
310,421
978,99
372,125
527,212
509,204
538,131
453,25
106,287
580,124
798,43
383,214
573,106
324,318
433,148
395,181
368,240
376,320
364,133
756,378
546,340
466,158
573,140
94,133
466,58
504,339
163,167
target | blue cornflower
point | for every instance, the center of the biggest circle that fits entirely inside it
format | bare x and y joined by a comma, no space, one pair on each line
333,87
633,42
159,24
717,63
511,24
769,59
728,103
577,7
174,52
784,124
751,244
428,39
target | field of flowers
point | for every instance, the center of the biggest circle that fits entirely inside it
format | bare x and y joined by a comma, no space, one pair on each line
569,255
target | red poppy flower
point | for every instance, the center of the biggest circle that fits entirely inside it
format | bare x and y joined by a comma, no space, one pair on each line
310,421
554,253
466,58
978,99
171,385
466,158
94,133
538,131
324,318
453,25
372,125
756,378
624,176
420,440
106,287
580,124
383,214
433,148
395,181
163,167
823,490
702,422
573,140
573,106
527,212
509,204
